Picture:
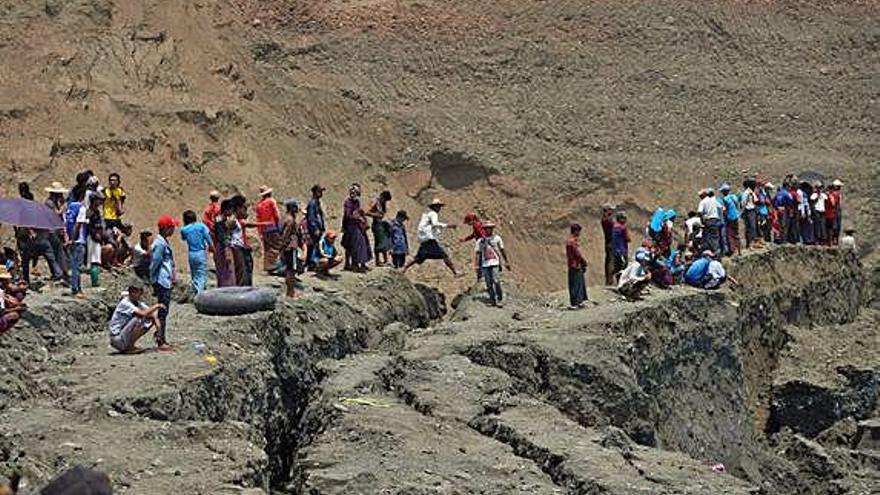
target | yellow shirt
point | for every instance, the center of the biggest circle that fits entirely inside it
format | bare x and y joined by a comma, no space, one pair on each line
111,195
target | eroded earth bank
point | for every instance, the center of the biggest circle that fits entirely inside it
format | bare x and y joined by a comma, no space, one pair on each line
366,386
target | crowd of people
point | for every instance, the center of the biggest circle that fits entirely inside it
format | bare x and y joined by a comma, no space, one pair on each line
95,236
689,251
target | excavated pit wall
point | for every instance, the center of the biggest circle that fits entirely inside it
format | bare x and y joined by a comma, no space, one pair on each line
697,373
272,392
689,373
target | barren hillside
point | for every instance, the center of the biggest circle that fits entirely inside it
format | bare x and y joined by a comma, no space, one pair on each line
533,112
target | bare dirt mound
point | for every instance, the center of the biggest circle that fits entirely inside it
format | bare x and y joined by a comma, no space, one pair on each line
546,109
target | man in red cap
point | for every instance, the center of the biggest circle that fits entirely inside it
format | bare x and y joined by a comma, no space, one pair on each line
163,274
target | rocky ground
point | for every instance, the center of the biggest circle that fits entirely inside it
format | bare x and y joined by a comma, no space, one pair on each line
365,387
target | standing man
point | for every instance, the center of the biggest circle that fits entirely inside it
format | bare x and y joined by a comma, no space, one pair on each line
710,212
429,238
488,253
607,231
198,241
163,274
731,219
836,197
620,240
314,221
749,202
79,234
270,230
819,200
577,269
291,240
114,199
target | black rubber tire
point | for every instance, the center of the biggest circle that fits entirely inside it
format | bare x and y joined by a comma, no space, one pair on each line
232,301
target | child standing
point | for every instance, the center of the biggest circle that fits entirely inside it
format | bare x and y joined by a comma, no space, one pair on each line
489,252
198,239
399,241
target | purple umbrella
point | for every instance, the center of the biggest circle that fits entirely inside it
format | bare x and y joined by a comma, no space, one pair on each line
24,213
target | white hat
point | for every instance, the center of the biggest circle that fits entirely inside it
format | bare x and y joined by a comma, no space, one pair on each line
56,188
437,202
837,182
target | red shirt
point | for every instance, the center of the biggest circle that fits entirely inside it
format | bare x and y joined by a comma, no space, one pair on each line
573,254
478,233
209,214
267,211
832,206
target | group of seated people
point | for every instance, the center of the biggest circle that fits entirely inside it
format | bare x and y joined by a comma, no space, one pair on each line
650,266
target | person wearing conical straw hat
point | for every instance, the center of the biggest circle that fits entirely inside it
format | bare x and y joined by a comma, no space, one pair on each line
428,234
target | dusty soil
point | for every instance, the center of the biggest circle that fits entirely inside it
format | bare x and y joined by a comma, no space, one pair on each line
534,113
362,387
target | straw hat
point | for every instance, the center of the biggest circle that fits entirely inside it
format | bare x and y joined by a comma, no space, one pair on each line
56,188
837,183
264,190
437,202
215,194
488,224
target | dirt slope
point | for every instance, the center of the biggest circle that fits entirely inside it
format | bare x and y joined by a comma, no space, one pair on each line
532,112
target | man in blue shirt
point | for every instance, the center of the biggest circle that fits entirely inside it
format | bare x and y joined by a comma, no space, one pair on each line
731,219
163,274
315,221
198,241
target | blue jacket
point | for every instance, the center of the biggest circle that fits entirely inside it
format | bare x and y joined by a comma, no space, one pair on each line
698,270
161,263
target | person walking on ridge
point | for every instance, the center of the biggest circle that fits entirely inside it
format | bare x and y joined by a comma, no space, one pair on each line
428,234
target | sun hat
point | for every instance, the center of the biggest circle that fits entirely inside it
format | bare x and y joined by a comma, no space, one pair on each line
837,182
264,190
724,187
215,194
437,202
608,207
56,188
4,273
166,221
488,224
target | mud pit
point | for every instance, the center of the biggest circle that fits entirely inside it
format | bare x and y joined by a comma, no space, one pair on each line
362,388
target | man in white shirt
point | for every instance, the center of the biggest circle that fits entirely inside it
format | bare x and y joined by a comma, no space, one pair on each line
710,211
428,234
132,319
488,253
819,198
634,279
749,200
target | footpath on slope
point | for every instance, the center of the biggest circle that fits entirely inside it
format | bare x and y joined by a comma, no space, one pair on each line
362,388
